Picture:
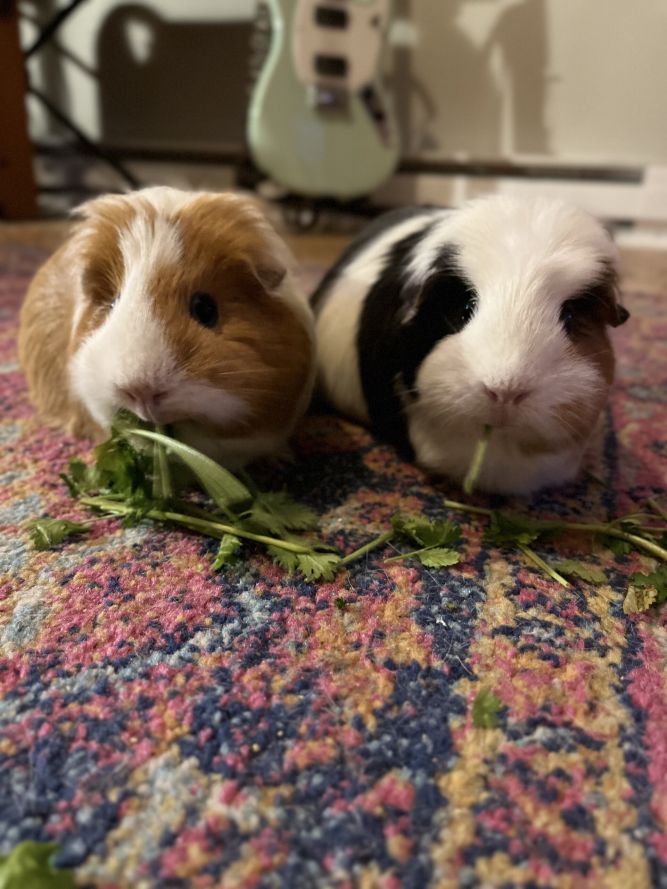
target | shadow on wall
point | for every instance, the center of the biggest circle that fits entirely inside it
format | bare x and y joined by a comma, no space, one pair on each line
172,84
449,100
521,36
48,62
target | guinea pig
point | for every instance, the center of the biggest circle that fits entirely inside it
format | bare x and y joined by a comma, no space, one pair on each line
179,306
436,323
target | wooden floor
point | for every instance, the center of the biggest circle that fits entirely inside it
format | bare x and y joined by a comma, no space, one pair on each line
319,248
641,269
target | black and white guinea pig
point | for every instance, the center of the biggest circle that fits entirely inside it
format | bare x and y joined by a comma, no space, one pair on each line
434,323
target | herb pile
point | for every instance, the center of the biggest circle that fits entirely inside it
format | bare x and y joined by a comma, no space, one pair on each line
135,482
138,475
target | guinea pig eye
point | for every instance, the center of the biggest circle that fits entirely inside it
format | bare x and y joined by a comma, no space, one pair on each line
204,309
459,312
468,309
567,317
573,312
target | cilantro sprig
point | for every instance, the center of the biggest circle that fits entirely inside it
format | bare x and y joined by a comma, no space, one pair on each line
134,477
632,532
138,474
435,541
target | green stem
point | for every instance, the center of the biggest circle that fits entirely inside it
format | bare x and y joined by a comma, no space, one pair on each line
214,529
653,549
477,461
655,506
464,507
410,555
373,544
193,509
163,488
532,555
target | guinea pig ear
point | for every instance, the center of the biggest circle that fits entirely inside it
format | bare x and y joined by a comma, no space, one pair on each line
108,205
269,272
608,292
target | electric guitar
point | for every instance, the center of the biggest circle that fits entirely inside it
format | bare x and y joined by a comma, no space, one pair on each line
319,122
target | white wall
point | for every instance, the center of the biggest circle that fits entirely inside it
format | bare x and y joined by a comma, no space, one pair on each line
569,80
563,81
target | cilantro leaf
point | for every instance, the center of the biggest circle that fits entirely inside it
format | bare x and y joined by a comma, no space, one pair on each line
573,568
226,555
48,532
283,557
438,557
617,546
638,599
28,866
313,565
657,579
504,528
646,590
122,469
125,421
425,532
485,709
318,566
80,479
275,511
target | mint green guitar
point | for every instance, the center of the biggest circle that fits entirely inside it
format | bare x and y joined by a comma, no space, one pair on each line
319,123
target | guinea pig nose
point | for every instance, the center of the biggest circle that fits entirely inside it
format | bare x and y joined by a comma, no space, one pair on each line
141,394
506,394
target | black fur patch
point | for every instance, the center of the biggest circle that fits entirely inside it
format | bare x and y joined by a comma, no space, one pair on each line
445,304
368,234
399,326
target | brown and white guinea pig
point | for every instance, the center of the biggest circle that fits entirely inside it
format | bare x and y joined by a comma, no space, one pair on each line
434,323
180,307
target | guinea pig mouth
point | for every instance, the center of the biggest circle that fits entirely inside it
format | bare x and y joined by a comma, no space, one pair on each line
502,416
152,412
160,416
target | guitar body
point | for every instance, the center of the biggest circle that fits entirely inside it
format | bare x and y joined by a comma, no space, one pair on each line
319,123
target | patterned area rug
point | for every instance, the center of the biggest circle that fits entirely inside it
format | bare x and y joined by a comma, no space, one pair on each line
172,727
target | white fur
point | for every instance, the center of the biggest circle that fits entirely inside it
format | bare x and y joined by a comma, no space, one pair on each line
524,259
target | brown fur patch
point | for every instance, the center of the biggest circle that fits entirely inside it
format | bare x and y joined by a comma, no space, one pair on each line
101,261
89,261
260,350
44,342
592,343
592,313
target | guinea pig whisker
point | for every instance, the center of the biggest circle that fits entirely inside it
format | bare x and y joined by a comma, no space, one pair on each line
241,373
275,393
599,352
567,425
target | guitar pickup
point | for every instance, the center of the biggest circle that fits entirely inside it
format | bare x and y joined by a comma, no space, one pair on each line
329,17
331,66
